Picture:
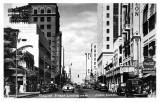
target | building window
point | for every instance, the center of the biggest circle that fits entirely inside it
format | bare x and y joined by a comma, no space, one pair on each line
107,23
43,33
107,46
35,19
107,38
145,51
48,10
41,26
42,19
94,63
107,15
145,21
107,30
42,11
48,26
152,48
107,7
94,46
35,11
94,50
48,19
49,42
152,22
24,39
48,34
94,55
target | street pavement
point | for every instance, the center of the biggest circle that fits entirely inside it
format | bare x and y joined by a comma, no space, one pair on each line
78,93
86,93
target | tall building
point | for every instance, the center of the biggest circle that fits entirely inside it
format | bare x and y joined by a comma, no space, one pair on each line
108,32
94,60
46,16
137,49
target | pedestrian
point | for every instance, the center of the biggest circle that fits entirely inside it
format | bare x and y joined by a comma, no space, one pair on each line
7,90
112,87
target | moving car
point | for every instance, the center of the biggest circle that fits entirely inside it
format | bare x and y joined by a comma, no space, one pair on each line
68,88
134,87
44,88
53,87
95,86
102,86
121,89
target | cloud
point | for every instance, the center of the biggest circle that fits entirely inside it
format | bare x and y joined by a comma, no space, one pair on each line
78,32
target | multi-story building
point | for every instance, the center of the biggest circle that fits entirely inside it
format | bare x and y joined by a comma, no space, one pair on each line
94,60
114,66
108,32
46,16
148,42
138,31
39,49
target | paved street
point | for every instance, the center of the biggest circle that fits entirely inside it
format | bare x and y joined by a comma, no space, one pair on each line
88,93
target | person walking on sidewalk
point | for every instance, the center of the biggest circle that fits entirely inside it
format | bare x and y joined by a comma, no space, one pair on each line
7,90
112,87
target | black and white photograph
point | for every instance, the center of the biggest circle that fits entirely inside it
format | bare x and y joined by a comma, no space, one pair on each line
79,50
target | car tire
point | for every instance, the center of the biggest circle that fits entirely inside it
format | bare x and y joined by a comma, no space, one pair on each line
126,95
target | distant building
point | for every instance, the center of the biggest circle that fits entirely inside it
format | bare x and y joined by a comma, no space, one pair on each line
94,68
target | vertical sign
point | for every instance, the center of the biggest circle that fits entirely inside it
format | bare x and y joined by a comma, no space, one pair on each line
136,15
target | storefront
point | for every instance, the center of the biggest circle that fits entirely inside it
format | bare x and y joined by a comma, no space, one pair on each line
149,74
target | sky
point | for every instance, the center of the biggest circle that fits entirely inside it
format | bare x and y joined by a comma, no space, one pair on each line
78,23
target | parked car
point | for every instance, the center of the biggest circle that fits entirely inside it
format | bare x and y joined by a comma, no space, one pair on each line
95,86
102,86
44,88
134,87
68,88
121,89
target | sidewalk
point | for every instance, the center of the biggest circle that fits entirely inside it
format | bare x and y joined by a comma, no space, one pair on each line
153,95
20,95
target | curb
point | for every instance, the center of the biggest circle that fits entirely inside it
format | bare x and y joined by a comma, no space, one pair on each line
28,95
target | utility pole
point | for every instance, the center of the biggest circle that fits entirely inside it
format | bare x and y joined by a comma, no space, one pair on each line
44,69
16,63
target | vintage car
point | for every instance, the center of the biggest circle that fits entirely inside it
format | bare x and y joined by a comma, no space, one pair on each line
68,88
134,87
102,86
44,88
121,89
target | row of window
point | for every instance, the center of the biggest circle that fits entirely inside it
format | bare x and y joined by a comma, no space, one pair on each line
42,19
149,23
42,11
48,26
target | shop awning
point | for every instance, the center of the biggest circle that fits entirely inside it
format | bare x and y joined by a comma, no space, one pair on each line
149,74
30,72
20,72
